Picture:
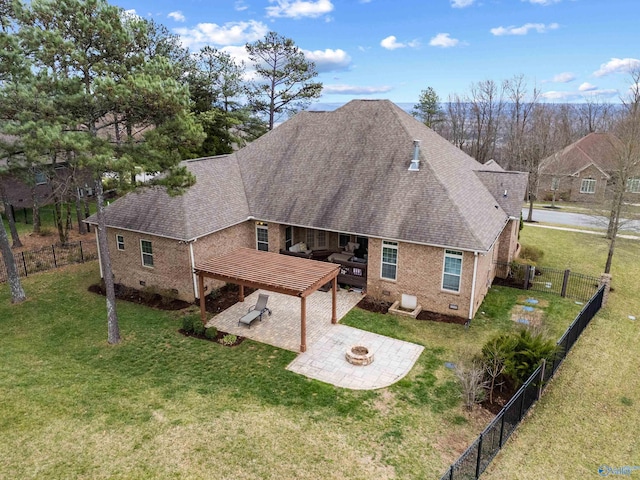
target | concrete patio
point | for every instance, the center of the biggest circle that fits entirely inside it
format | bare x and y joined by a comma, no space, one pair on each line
325,358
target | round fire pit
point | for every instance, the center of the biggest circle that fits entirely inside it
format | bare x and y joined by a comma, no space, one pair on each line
359,355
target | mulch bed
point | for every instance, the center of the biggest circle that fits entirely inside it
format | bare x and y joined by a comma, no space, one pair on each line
216,302
217,339
153,300
382,307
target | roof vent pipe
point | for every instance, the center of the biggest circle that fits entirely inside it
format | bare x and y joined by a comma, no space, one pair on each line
415,162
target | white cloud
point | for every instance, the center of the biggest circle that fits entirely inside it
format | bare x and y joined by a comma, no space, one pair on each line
617,65
524,29
564,77
443,40
232,33
587,87
391,43
299,8
579,95
240,6
328,60
461,3
544,3
354,90
177,16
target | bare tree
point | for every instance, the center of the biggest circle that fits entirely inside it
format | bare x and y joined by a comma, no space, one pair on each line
627,158
595,114
456,121
470,374
486,103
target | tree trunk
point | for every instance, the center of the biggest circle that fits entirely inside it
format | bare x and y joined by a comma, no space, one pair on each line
530,214
36,212
612,246
113,330
68,224
82,229
17,292
87,213
57,217
8,210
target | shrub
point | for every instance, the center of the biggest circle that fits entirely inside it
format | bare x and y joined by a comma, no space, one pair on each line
198,326
519,352
229,339
211,333
531,253
187,323
470,375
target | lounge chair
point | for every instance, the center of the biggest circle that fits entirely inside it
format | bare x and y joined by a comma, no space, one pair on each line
256,311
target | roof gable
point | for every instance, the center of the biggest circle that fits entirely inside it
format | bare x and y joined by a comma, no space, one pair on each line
598,149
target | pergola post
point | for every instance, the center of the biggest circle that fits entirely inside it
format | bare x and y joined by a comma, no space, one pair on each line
303,324
203,311
241,293
334,293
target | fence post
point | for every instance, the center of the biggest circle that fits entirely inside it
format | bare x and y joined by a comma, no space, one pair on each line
520,415
24,264
81,254
544,366
565,283
479,457
501,429
53,249
527,272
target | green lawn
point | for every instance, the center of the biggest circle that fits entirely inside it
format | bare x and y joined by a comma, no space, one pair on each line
590,413
161,405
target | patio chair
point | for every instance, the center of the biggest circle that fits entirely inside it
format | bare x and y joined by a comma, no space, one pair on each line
256,311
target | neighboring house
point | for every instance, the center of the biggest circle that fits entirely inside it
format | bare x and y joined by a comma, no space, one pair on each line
407,211
583,171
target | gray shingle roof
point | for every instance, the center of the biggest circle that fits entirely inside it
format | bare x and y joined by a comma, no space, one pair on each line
345,170
507,188
215,202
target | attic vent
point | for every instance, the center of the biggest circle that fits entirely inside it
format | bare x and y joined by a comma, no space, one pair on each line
415,162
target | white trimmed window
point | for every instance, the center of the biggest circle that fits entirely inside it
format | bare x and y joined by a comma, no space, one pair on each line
588,185
389,268
316,238
147,253
452,270
120,242
633,185
262,236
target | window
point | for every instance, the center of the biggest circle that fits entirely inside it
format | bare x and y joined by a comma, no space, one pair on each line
555,183
41,178
452,270
633,185
288,237
262,236
389,260
343,239
316,238
147,253
120,242
588,185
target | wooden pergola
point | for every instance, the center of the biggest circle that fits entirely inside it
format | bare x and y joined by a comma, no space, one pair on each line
273,272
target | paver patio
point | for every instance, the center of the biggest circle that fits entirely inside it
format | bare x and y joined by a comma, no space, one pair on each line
325,358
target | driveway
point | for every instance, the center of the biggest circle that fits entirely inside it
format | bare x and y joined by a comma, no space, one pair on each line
578,219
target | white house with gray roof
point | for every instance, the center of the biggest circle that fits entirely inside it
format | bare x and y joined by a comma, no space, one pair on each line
366,185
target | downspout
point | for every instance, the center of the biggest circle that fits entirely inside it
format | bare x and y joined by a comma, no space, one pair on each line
193,268
99,256
473,285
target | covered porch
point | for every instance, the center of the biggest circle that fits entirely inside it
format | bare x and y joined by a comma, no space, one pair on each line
286,275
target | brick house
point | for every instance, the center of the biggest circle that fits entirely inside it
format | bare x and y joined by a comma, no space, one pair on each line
367,186
583,171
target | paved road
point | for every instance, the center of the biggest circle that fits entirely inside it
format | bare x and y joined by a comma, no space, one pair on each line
577,219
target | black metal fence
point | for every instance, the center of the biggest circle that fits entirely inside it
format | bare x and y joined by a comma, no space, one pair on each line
543,279
48,258
477,457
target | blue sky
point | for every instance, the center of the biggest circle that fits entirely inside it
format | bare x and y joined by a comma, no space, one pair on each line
569,49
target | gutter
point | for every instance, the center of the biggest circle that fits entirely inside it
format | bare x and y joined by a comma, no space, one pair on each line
193,268
473,285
